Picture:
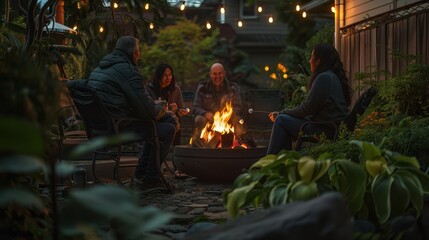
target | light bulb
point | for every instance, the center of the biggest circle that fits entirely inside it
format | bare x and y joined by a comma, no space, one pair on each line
78,5
146,6
267,68
182,6
304,14
333,9
101,29
151,26
222,9
240,23
75,27
208,25
297,8
259,9
115,5
270,19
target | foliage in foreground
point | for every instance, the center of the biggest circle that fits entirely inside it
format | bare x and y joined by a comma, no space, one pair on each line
383,185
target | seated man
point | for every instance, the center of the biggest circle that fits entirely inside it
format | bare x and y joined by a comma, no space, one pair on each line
120,86
212,96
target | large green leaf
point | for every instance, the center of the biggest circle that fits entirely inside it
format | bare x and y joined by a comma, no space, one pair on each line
237,198
279,194
21,197
19,136
102,204
101,142
268,159
412,183
20,164
399,197
351,182
402,158
380,189
369,150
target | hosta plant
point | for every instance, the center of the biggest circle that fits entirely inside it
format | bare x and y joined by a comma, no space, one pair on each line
384,184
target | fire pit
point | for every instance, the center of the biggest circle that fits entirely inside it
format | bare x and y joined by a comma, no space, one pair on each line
216,164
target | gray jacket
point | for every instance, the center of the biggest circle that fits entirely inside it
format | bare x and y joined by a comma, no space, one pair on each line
324,102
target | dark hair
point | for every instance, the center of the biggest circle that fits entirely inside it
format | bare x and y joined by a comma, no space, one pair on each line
330,61
156,81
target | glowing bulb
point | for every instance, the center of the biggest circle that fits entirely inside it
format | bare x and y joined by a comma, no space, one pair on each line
273,76
267,68
101,29
297,8
182,6
304,14
115,5
75,27
151,26
146,6
78,5
240,23
208,25
222,9
333,9
270,19
285,75
259,9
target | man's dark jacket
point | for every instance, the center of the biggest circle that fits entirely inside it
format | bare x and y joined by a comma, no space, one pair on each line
121,88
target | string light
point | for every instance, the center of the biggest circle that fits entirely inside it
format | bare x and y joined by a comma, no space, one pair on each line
267,68
78,5
115,5
151,26
101,29
146,6
270,19
208,25
240,23
259,9
304,14
75,27
222,9
297,8
333,9
182,6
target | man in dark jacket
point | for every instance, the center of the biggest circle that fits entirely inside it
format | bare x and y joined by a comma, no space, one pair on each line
120,86
212,96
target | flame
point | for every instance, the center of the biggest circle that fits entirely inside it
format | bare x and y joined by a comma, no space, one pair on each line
220,123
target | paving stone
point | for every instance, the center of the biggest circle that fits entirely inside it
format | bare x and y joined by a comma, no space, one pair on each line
197,211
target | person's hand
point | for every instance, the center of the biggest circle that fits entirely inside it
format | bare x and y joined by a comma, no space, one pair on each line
273,115
209,116
183,111
172,107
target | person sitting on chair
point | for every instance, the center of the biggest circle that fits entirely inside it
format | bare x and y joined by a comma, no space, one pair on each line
120,86
328,99
163,86
212,96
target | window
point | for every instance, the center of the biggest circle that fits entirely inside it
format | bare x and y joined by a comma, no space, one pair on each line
248,9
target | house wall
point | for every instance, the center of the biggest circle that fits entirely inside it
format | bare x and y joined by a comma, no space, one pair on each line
369,46
358,10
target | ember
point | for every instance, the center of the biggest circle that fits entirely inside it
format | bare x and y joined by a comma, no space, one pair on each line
220,133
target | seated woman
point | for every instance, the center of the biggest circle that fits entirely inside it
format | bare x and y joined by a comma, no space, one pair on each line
328,99
163,87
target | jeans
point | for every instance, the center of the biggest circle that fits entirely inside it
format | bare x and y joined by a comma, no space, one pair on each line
146,168
285,130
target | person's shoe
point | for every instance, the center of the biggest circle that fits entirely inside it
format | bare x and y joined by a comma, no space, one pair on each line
246,140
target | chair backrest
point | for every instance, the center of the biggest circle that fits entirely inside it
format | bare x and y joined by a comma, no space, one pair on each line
96,118
359,108
261,101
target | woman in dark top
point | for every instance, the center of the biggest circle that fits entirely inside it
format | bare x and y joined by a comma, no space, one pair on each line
328,99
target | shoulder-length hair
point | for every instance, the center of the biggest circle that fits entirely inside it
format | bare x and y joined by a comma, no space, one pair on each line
157,78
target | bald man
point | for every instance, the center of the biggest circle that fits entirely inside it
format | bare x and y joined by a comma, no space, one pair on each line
211,96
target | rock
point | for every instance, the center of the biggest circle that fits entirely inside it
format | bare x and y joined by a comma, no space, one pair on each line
325,217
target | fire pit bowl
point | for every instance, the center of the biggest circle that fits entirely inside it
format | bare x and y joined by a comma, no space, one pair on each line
216,164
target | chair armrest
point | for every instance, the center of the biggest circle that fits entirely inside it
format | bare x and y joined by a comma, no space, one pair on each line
329,124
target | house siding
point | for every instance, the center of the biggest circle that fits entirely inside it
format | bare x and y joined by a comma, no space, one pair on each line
371,48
